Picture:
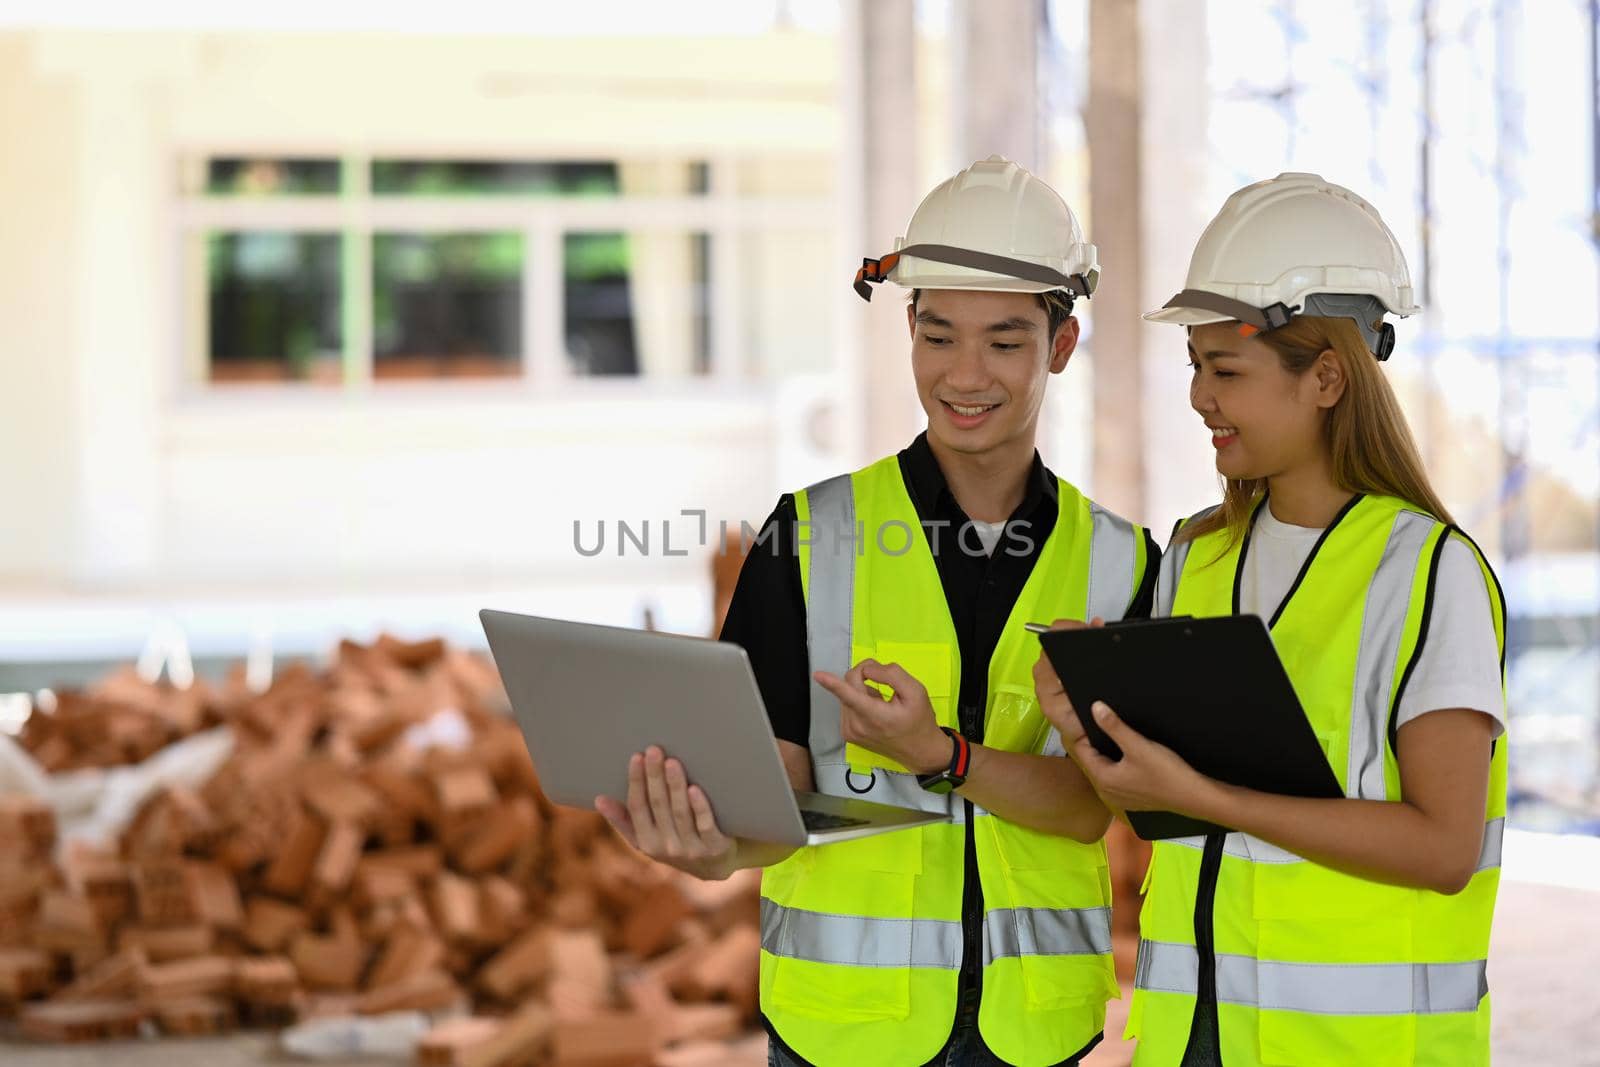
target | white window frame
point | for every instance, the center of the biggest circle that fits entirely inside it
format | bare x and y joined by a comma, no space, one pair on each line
720,213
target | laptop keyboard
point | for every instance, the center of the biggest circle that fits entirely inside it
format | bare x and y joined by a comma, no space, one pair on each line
817,820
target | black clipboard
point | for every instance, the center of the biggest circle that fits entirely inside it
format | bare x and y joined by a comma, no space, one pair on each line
1213,690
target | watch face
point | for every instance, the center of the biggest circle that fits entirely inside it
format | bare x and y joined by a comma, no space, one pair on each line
938,783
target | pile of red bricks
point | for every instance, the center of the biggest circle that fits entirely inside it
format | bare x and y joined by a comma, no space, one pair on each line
333,865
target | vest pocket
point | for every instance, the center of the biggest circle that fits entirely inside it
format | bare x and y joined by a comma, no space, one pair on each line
1331,975
1013,722
927,662
1331,1014
823,967
1051,912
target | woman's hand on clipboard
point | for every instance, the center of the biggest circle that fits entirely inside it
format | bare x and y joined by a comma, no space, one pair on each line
1053,702
1148,777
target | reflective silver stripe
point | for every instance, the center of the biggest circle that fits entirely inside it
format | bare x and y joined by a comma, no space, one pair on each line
1053,745
830,604
858,941
1318,988
1172,567
1045,932
1233,845
1382,624
1254,849
882,787
1112,560
1494,836
1111,565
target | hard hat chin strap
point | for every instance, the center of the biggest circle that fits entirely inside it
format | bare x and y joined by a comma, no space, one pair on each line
1267,318
877,270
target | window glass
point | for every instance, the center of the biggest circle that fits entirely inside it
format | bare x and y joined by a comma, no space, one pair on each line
273,306
447,305
636,303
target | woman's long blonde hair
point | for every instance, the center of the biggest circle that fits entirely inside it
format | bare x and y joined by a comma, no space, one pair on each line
1370,443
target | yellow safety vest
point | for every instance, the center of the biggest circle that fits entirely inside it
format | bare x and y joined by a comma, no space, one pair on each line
1313,967
862,941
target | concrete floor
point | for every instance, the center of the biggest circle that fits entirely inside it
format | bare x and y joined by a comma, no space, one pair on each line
1546,1007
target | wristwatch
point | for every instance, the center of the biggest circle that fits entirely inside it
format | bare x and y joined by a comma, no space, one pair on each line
953,776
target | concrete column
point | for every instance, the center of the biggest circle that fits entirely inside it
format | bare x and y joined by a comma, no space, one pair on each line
122,342
1148,202
1178,200
996,86
1116,225
877,193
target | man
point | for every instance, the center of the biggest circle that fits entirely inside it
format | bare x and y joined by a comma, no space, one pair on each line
884,621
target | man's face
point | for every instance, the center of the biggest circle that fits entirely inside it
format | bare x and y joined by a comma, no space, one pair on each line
981,361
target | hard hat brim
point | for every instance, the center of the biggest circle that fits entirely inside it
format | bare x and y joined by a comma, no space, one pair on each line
1182,316
968,281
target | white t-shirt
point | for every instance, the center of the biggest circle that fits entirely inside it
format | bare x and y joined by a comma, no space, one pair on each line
988,534
1460,662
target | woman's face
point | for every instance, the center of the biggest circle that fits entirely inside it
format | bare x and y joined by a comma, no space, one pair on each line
1264,421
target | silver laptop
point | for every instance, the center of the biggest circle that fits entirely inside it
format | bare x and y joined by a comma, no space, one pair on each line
588,697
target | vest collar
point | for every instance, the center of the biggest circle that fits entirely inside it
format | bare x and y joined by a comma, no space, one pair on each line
1244,552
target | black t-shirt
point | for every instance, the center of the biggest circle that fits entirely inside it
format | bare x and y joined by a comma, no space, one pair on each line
767,617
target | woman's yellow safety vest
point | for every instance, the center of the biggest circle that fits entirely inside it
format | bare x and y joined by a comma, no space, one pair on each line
862,941
1313,967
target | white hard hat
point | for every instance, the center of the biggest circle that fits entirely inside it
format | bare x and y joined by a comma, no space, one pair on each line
993,226
1295,244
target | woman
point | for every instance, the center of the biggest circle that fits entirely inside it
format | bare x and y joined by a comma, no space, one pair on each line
1324,932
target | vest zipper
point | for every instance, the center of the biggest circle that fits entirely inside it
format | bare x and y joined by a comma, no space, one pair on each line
1205,1038
971,899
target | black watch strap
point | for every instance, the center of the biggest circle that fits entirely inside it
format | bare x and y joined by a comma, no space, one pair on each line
955,775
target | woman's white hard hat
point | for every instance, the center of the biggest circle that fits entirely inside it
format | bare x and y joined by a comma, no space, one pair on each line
1292,245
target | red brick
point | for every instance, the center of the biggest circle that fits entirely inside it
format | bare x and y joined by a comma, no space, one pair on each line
730,968
502,908
336,863
164,892
198,976
66,922
265,980
609,1039
519,965
337,797
194,1016
408,952
27,824
330,963
449,1041
429,991
653,922
167,943
502,830
455,908
80,1020
581,976
114,978
24,972
291,866
269,924
419,861
216,896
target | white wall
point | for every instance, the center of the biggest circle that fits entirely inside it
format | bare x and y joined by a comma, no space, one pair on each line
116,479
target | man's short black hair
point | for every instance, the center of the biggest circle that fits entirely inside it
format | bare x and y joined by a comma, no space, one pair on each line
1057,305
